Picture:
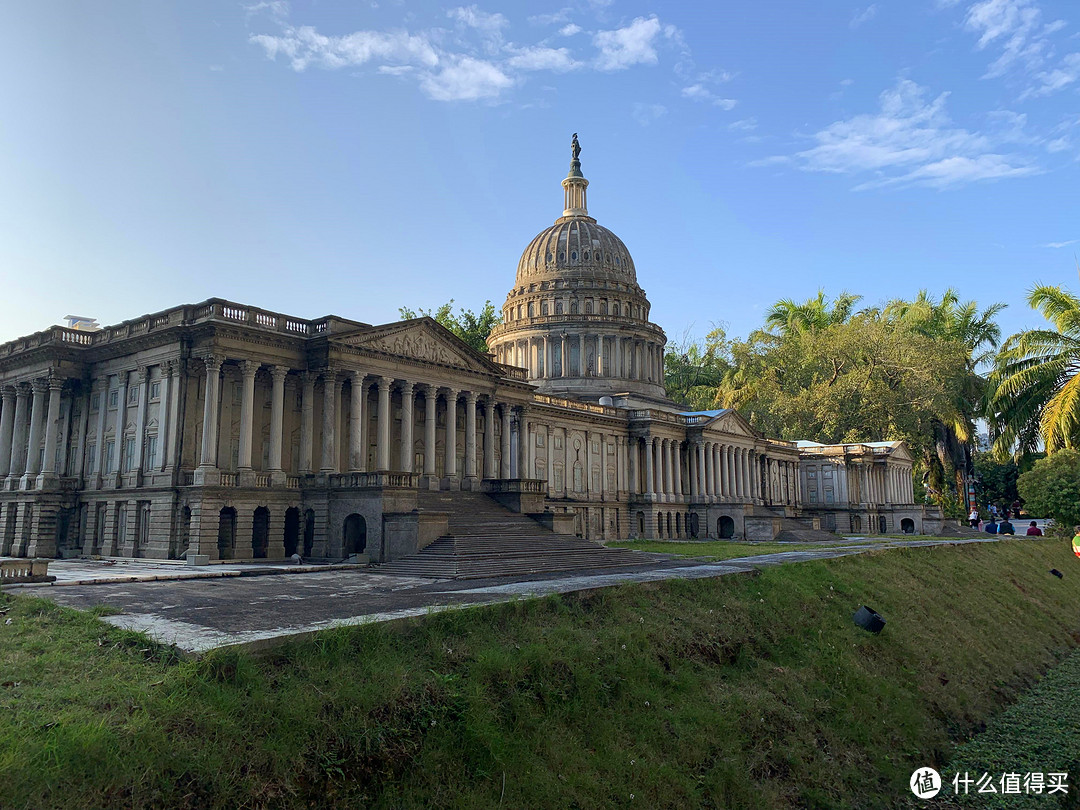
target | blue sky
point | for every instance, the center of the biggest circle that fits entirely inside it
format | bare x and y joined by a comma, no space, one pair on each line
317,157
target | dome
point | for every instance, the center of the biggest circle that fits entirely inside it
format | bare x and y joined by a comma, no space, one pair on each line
575,247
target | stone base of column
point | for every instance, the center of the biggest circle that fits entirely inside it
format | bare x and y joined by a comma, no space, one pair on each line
279,478
430,482
245,477
27,482
450,482
48,481
275,547
470,483
206,477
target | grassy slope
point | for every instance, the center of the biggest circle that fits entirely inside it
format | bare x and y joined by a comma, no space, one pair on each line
723,549
737,692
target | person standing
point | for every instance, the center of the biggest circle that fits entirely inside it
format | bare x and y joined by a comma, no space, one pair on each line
1076,540
973,518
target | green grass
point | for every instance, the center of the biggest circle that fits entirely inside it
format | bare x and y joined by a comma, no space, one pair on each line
725,549
1040,733
744,691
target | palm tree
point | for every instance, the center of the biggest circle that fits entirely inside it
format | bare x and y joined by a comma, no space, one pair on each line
1035,384
787,316
978,332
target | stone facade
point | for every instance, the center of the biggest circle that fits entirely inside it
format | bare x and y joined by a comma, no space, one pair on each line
223,431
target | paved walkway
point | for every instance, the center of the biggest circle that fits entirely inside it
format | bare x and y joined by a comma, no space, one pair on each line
199,613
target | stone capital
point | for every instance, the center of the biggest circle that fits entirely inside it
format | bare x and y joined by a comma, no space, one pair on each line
211,362
471,397
8,392
385,383
407,387
358,376
40,385
279,373
330,374
56,383
249,368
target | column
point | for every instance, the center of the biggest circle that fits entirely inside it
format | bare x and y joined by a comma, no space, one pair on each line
564,357
581,355
524,470
307,423
692,467
37,413
549,468
736,470
166,417
208,455
408,397
617,359
702,471
620,468
489,438
505,440
52,426
658,464
547,358
603,464
177,387
670,469
649,477
710,470
328,464
633,462
7,429
382,437
248,369
599,355
17,466
450,465
277,416
431,396
677,451
470,434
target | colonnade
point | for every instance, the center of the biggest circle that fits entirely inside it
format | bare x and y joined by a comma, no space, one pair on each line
584,355
360,385
30,429
885,484
713,471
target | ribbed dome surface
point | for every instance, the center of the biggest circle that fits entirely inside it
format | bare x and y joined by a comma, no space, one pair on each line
576,246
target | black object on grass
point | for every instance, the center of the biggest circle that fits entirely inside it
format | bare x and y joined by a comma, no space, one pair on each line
868,619
1057,573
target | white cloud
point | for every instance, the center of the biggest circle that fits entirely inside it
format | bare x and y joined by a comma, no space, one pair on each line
1056,245
482,21
743,125
304,46
911,141
556,18
864,16
645,114
1050,81
698,92
467,79
538,57
632,45
570,30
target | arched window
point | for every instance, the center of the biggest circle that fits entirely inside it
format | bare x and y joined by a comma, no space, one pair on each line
603,307
585,256
531,312
573,308
588,307
543,307
573,255
558,307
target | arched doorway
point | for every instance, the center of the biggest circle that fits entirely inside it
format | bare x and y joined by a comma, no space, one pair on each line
226,537
309,532
670,533
660,525
641,524
292,530
260,533
354,539
907,526
63,533
883,525
678,524
693,524
725,527
856,523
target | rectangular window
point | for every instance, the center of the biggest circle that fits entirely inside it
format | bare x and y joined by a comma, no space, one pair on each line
155,391
151,452
129,454
237,393
114,398
91,459
95,402
813,496
133,395
110,457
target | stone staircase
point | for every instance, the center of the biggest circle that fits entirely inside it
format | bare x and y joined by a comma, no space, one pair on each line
488,540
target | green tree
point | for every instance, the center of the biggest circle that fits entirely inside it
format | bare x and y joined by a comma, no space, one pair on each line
1035,385
1051,488
693,372
788,316
997,479
471,327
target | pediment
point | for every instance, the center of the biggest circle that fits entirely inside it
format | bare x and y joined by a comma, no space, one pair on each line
734,425
421,339
900,452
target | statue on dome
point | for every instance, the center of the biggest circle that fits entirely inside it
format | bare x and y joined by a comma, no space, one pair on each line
575,147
